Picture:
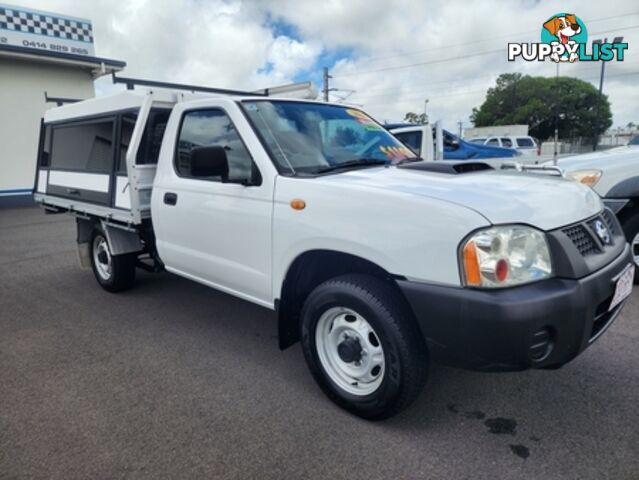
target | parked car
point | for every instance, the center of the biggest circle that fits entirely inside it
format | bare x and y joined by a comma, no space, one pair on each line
377,262
614,175
420,138
524,144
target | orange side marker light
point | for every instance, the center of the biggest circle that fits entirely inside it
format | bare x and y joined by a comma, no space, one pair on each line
471,264
298,204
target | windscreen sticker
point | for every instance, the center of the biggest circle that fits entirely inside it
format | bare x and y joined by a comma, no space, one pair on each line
364,120
396,154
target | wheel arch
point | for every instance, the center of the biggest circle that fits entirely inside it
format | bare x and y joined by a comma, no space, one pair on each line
308,270
626,188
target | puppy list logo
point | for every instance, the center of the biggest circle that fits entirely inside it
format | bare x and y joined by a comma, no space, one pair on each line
564,38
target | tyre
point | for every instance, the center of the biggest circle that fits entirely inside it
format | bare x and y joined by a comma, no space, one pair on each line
363,346
114,273
631,230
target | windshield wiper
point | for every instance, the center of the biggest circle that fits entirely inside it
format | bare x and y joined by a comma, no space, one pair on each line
360,162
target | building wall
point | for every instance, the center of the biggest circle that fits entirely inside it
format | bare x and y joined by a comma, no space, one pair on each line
22,105
506,130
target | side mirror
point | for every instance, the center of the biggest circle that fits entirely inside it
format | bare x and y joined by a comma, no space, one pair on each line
209,161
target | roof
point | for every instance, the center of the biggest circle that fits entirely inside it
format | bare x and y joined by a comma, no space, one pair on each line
392,126
96,106
131,99
96,65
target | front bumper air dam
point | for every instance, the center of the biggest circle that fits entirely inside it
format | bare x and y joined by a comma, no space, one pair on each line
539,325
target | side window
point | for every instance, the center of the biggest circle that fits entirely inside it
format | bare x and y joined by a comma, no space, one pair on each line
525,142
213,127
149,150
45,152
506,142
413,140
128,124
450,142
493,141
87,147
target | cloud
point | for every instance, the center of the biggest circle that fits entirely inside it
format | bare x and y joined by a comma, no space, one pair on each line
449,52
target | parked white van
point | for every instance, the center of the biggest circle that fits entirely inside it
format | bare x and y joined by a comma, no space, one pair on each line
524,144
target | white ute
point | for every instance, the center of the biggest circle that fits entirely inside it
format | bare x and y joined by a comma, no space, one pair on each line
614,175
377,262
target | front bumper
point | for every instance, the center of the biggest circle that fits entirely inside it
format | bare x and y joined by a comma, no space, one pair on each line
540,325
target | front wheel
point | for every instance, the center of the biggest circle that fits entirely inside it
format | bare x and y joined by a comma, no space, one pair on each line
631,230
363,347
114,273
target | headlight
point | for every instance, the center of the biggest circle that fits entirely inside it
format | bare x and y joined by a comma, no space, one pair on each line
587,177
505,256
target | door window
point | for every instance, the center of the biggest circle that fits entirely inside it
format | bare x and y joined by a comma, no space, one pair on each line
203,128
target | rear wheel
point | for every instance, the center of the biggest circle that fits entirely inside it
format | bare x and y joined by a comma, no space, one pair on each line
631,230
363,347
114,273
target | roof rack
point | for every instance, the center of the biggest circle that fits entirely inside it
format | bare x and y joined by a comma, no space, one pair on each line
59,101
132,82
301,90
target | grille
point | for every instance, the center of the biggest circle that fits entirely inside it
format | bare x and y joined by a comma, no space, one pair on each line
610,221
603,318
582,240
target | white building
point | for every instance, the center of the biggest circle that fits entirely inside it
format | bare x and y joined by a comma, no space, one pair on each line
39,52
496,131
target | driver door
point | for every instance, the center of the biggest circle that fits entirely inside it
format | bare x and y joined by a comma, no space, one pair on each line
217,229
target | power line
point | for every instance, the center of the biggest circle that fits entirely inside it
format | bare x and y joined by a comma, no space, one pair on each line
425,88
500,37
430,62
436,95
460,57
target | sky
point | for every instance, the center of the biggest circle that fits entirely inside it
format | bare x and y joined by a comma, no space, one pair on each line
386,57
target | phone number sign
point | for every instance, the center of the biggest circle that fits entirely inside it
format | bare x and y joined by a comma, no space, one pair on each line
28,28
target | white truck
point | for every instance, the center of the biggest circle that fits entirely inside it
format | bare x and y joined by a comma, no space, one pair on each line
431,142
377,262
614,175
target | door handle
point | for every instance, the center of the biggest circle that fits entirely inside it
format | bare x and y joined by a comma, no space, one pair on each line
170,198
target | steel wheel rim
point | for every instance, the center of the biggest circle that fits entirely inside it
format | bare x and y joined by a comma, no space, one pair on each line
635,249
342,326
102,257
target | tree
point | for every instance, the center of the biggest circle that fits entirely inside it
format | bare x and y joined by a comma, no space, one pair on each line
345,136
539,102
420,118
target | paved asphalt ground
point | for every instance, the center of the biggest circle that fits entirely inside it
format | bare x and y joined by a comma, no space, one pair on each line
174,380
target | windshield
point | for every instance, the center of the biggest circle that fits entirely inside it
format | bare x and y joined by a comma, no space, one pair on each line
315,138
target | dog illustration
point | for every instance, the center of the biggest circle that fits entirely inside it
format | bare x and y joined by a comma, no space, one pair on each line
563,27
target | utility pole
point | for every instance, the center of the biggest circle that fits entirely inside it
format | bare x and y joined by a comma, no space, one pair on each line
325,88
601,80
554,156
595,139
460,123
